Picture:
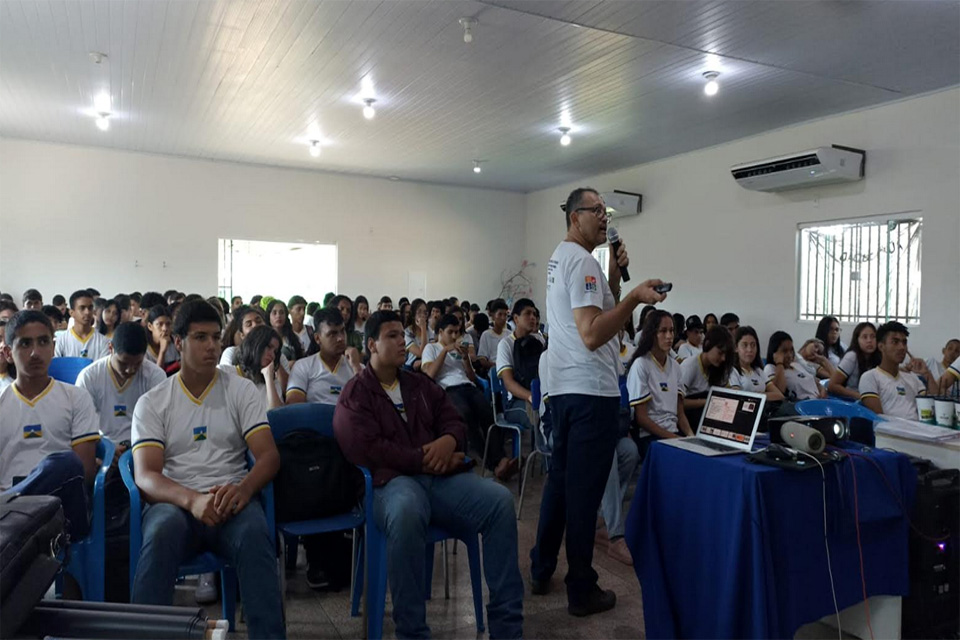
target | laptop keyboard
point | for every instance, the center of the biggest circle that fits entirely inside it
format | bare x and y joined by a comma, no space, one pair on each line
713,445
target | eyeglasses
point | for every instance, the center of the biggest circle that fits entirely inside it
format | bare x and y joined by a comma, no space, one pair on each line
599,211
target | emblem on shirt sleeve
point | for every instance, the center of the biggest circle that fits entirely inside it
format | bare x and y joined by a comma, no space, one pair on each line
199,434
590,284
32,431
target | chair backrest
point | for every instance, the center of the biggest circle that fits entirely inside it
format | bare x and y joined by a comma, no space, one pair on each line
535,394
497,390
303,416
835,408
67,369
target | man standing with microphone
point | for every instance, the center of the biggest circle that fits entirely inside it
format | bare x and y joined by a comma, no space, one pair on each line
584,319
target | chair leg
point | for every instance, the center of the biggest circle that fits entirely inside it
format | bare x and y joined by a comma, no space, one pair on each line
446,571
357,577
228,587
523,480
428,570
486,449
375,601
476,578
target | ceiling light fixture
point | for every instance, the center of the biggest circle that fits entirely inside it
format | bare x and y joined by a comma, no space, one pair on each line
565,138
101,106
476,166
315,148
368,110
712,86
468,25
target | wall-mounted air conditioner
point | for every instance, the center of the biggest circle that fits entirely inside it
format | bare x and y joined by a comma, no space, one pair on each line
824,165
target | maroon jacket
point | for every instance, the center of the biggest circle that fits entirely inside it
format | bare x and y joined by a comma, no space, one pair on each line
371,432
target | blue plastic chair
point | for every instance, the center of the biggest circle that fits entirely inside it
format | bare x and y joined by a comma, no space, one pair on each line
836,408
485,386
88,556
500,422
540,447
624,394
205,562
67,369
319,418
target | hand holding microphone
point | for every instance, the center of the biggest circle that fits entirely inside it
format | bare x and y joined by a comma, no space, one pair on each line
618,253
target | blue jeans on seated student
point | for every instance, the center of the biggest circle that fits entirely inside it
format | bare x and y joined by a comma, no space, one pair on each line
60,475
463,502
172,536
626,459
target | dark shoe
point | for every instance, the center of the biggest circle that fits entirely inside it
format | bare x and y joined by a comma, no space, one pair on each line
539,587
597,601
316,578
507,468
207,591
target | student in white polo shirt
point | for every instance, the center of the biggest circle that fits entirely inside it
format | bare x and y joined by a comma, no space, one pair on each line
160,348
888,390
190,438
941,368
48,429
794,382
490,340
322,376
116,382
416,333
7,369
693,346
244,320
747,371
258,360
710,368
862,356
950,377
81,340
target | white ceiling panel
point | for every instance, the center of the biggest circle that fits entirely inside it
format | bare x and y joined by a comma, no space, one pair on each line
253,80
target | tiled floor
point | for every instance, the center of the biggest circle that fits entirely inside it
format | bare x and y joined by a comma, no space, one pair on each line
327,615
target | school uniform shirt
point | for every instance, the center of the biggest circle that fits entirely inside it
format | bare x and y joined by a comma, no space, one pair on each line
490,343
59,418
936,369
228,355
693,377
752,380
687,351
954,369
452,373
171,355
312,378
115,402
626,355
574,281
410,339
657,387
235,370
504,359
204,439
801,384
5,381
849,366
833,357
393,392
304,336
806,365
360,327
897,395
71,345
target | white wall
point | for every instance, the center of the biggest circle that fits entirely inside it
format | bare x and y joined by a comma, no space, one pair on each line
729,249
73,217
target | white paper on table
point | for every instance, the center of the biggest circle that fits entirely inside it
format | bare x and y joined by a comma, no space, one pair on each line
914,430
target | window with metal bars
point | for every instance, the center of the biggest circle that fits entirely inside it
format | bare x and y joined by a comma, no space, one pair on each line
861,271
602,255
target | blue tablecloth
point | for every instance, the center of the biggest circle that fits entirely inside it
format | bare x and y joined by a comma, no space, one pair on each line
726,548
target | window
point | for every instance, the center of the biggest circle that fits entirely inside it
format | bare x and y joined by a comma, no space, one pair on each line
251,267
602,254
861,270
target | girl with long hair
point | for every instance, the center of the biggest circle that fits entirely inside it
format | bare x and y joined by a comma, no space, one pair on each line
258,360
160,347
108,315
416,332
747,371
710,368
278,318
793,381
828,332
862,356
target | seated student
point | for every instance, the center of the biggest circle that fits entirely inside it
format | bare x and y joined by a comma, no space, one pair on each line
190,437
710,321
8,371
886,389
278,318
60,303
235,303
312,308
32,300
812,357
859,358
322,376
950,377
490,339
793,381
680,331
148,301
161,349
694,334
298,310
117,381
940,367
404,310
385,304
48,429
107,315
828,332
471,316
136,306
123,307
627,349
481,322
56,318
258,360
345,306
362,307
747,371
81,341
403,428
653,385
731,321
435,311
244,320
710,368
7,310
416,333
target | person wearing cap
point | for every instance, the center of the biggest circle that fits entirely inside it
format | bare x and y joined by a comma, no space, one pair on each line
694,345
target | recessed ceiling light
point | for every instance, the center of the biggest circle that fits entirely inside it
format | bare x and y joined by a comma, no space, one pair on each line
468,24
103,123
565,138
315,148
476,166
101,106
712,86
368,110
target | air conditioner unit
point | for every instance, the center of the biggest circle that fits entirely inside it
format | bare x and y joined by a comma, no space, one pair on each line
824,165
620,204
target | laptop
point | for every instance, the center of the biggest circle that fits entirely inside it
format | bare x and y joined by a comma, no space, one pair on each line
728,424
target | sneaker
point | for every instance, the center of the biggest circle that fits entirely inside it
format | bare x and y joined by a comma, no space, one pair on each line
316,578
597,601
618,551
539,587
207,589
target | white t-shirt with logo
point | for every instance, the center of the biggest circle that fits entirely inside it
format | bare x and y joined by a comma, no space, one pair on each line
71,345
693,377
452,373
752,380
113,401
316,381
687,351
172,355
410,339
5,381
490,343
936,369
658,387
58,418
396,397
849,366
626,354
897,395
236,370
204,439
575,281
801,384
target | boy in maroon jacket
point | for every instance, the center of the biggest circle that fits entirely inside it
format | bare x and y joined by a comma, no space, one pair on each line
404,429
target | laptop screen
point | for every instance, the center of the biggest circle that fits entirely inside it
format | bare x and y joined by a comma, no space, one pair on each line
731,415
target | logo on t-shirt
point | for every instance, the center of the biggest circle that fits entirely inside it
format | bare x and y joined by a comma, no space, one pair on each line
664,386
119,410
199,434
590,283
33,431
901,391
801,374
83,354
754,381
335,390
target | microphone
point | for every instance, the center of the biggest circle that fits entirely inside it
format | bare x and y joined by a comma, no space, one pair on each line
802,437
613,237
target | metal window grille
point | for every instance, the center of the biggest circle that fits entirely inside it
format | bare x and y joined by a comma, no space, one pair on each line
225,258
602,254
861,271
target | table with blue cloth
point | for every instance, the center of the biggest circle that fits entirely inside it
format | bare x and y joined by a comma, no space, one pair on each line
728,548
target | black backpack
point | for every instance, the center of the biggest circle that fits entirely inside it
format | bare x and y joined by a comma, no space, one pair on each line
526,360
315,480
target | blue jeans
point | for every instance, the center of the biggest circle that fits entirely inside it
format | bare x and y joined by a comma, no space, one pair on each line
584,440
461,503
172,536
60,475
626,459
